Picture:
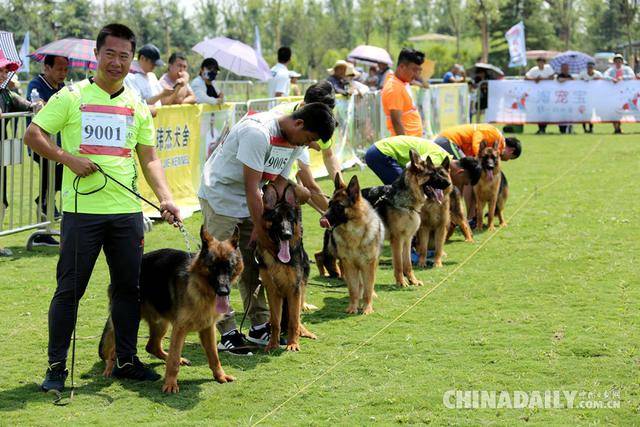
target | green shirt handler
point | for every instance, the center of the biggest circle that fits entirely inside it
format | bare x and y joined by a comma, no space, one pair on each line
319,92
103,124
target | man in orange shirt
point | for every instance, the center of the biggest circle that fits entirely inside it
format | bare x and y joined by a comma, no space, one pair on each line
467,138
402,113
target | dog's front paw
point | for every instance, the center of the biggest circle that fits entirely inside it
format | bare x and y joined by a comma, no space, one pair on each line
221,377
272,346
422,261
503,224
437,263
170,386
415,282
491,228
293,346
368,309
352,309
403,283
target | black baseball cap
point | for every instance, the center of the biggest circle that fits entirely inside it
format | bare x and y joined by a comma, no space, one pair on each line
151,52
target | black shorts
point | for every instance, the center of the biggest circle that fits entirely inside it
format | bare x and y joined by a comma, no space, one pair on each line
449,147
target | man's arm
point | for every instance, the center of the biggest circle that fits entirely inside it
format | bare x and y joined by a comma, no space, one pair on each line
191,96
154,174
252,181
158,97
330,162
396,121
306,179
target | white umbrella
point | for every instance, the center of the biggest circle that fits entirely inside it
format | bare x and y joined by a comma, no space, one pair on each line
370,54
235,56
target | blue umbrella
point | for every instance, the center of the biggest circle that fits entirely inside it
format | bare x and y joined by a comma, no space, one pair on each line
577,61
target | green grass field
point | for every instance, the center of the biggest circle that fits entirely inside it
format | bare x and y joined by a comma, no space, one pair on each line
550,302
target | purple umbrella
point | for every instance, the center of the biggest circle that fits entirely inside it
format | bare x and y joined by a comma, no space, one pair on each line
577,61
78,51
235,56
370,54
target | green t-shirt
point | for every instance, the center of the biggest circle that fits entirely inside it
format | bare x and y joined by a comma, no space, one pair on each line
106,129
398,147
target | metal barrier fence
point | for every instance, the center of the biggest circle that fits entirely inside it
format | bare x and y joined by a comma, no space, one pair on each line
246,90
27,187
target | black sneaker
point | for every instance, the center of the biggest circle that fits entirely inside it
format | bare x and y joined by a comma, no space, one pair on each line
262,334
55,377
134,369
45,240
234,342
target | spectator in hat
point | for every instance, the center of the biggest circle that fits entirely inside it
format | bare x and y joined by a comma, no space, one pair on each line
617,73
46,84
280,82
590,73
143,80
10,102
204,85
295,87
177,78
542,71
455,75
338,76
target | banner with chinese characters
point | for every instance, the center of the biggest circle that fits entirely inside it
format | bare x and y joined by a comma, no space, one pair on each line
183,134
518,101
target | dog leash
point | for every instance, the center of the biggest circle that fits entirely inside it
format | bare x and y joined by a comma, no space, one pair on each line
58,401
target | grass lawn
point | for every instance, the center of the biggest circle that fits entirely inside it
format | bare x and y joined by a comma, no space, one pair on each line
550,302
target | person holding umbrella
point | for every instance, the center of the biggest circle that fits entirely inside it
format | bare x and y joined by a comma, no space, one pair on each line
617,73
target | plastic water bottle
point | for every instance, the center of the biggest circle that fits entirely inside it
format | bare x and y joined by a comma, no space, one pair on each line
35,95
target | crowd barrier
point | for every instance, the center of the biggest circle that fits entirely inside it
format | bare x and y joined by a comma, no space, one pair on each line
187,134
246,90
21,184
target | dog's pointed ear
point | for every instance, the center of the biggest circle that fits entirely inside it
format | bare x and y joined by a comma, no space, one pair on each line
430,164
354,189
338,183
269,197
205,238
483,145
446,163
289,195
416,161
235,237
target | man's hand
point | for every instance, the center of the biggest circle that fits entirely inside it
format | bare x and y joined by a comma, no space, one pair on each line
170,212
81,166
166,91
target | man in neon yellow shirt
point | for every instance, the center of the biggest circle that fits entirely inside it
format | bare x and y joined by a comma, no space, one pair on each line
102,122
320,92
388,157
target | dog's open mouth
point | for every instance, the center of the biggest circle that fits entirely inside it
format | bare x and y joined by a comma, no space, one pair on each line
489,174
222,304
435,194
283,253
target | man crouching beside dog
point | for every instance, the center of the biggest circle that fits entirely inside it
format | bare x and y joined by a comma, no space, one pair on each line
260,148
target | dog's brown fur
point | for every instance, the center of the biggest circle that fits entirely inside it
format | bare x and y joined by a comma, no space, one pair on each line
284,280
399,206
434,218
458,216
191,307
487,189
356,239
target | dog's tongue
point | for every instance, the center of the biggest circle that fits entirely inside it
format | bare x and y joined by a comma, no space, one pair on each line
283,253
324,222
439,195
490,174
222,304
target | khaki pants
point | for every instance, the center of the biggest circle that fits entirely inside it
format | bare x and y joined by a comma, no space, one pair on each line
221,227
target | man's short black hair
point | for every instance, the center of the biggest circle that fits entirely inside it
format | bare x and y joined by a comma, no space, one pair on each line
284,54
209,63
317,118
177,55
514,143
321,92
472,167
50,60
410,55
116,30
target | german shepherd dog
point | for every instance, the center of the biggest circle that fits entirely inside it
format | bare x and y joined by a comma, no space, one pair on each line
327,260
435,215
188,291
356,237
284,274
399,206
458,216
503,195
487,189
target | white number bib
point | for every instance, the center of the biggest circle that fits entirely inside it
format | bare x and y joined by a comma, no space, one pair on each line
277,159
104,130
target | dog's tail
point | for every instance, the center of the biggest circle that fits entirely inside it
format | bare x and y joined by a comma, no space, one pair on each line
107,336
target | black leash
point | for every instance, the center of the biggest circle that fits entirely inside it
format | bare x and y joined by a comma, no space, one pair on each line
58,401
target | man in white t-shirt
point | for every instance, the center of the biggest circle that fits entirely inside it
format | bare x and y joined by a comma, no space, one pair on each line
280,82
260,148
143,80
542,71
590,73
617,73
